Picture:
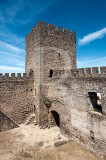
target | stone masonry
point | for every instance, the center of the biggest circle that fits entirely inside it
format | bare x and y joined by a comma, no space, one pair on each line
16,96
59,93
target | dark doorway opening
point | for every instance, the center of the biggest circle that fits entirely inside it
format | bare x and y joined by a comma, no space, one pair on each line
51,73
56,118
94,100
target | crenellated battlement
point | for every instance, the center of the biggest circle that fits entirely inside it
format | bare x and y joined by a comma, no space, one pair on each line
16,76
50,28
91,71
94,71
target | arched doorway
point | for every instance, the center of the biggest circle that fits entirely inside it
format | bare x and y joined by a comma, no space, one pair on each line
56,118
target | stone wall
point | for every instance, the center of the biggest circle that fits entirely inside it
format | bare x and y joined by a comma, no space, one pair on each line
6,122
69,93
16,96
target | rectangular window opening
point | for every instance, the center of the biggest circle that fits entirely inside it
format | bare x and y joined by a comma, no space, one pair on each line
95,99
51,73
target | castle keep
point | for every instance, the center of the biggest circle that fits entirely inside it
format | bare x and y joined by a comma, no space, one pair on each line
56,91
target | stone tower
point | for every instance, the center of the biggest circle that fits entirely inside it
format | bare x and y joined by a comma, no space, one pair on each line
48,49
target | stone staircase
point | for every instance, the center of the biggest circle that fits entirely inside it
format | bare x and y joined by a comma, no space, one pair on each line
29,119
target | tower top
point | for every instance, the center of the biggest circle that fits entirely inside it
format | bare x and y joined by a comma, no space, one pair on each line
52,28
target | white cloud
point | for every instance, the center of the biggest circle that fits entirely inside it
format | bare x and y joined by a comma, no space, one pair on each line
11,69
29,11
92,36
11,38
8,12
91,62
8,46
12,55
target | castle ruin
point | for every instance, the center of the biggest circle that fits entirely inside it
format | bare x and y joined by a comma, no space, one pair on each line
56,91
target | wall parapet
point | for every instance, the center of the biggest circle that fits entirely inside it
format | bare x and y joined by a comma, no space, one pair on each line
90,71
94,71
16,77
51,28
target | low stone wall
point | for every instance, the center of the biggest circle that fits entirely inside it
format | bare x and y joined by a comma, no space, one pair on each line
6,122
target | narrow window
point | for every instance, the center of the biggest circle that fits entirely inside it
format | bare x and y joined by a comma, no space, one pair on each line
59,54
35,92
34,109
51,73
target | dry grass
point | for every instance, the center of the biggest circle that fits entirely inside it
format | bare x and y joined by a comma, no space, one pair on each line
69,151
12,147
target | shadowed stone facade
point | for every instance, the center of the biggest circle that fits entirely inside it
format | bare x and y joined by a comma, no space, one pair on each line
59,93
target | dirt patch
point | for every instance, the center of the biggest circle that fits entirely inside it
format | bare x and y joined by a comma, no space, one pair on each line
31,143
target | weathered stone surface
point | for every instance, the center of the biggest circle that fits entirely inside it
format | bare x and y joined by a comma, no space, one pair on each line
52,75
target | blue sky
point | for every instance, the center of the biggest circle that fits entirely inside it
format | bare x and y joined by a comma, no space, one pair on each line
86,17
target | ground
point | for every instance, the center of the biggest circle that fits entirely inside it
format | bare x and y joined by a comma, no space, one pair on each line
31,143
